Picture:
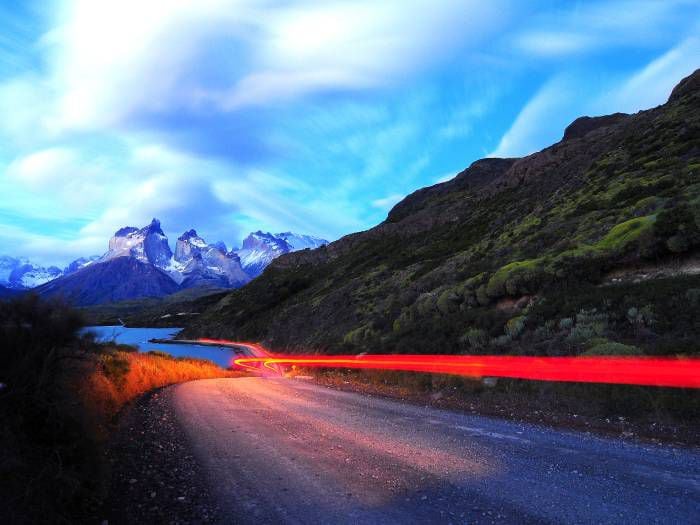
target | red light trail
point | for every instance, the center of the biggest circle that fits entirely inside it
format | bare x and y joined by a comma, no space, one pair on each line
642,371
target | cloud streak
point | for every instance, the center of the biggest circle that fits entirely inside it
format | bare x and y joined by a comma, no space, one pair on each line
228,115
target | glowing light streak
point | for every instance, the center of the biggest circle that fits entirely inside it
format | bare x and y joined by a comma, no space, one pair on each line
643,371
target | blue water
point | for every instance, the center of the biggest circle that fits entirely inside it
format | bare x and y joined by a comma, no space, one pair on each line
139,337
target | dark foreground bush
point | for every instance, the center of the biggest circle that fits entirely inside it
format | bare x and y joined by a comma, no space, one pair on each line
46,459
60,394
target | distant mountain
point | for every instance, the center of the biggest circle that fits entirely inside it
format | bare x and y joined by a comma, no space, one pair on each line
199,263
22,274
194,264
260,249
82,262
109,281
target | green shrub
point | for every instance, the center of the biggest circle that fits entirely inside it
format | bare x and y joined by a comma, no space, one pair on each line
515,326
640,317
475,338
448,302
566,323
619,238
502,340
516,278
612,349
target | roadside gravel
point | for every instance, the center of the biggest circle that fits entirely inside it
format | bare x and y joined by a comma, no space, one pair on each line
154,477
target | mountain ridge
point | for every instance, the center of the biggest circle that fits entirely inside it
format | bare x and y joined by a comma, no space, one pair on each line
615,191
194,264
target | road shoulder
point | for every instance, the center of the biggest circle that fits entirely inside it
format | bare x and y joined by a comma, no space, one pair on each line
155,478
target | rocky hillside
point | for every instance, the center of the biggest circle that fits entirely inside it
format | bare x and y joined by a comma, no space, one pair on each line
512,255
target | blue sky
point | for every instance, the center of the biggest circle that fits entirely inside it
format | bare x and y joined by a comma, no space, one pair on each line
236,115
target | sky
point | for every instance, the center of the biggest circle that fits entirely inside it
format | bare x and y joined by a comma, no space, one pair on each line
230,116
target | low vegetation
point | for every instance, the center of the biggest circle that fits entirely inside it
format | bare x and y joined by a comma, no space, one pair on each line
59,394
589,247
512,256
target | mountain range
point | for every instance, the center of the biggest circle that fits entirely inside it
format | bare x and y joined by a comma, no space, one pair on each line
591,245
140,263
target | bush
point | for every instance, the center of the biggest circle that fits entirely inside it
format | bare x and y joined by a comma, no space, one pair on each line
693,296
475,338
515,326
566,323
612,349
61,393
516,278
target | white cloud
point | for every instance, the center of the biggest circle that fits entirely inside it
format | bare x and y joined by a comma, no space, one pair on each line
113,61
652,85
554,43
540,122
43,168
47,249
445,177
591,26
386,203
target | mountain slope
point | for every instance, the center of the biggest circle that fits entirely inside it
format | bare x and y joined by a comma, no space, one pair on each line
8,292
508,255
110,281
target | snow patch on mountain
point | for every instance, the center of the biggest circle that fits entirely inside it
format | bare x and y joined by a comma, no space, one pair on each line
259,249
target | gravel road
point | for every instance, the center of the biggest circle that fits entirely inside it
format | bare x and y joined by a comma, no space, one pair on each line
255,450
289,451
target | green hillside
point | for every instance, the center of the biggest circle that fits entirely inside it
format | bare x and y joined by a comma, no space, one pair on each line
590,245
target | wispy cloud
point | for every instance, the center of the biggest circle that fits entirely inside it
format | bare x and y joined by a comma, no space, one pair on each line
541,120
230,114
386,203
652,85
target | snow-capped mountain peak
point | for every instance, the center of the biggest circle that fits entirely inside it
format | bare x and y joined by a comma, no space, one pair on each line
148,244
20,273
301,242
260,248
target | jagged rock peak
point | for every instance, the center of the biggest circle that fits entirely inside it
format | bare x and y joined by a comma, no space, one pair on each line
123,232
153,227
189,234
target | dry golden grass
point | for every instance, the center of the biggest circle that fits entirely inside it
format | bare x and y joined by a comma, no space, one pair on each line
108,381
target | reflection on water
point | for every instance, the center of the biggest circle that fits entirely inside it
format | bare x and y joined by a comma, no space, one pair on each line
139,337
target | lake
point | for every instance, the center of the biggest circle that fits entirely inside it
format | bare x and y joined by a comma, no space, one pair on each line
139,337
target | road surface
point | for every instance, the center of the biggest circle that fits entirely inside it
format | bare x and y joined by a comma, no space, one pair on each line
289,451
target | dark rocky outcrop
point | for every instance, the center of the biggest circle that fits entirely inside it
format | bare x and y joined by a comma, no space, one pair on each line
583,125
